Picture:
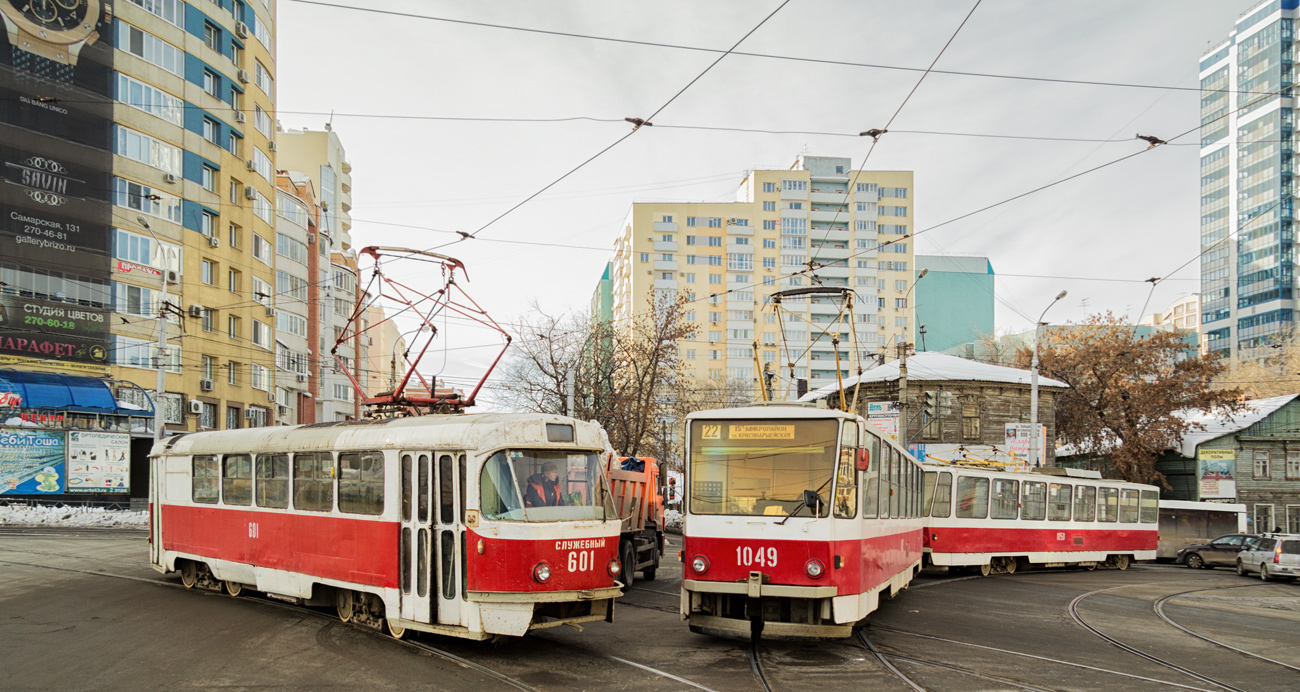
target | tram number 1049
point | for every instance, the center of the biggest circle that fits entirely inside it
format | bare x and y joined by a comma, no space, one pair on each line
748,557
582,560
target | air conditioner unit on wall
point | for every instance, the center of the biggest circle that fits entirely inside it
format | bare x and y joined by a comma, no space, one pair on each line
270,311
172,277
270,396
196,311
170,178
196,406
250,165
243,76
282,410
250,192
270,145
214,241
241,29
205,385
248,413
240,117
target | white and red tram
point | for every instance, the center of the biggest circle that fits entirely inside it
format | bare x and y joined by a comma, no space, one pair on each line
992,520
421,523
798,520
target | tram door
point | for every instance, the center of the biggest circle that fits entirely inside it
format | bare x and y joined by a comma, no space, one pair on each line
157,488
416,541
450,540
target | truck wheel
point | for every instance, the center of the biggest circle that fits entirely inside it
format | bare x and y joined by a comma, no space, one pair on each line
627,556
649,572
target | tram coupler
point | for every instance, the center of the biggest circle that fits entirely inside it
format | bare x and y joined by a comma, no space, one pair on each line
754,605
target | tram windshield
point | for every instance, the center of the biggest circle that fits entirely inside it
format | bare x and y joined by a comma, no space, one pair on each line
544,485
761,467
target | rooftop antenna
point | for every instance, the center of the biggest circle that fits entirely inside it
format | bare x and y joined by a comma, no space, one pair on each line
329,124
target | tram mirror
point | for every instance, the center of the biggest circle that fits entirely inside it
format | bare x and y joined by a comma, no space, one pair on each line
864,459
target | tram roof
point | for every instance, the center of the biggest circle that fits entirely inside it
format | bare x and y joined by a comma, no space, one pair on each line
468,431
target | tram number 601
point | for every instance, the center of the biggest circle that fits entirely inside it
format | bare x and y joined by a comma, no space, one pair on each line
763,557
582,560
252,529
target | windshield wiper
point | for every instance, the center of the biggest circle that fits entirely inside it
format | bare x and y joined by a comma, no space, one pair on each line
812,499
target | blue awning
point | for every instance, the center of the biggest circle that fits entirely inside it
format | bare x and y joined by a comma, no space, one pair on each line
56,392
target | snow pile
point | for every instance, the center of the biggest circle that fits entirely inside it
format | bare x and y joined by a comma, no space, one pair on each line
672,520
77,517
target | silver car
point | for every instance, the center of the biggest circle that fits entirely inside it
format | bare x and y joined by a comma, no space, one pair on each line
1273,555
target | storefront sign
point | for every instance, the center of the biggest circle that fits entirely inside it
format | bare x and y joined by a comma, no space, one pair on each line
98,462
32,462
884,416
1017,436
1214,472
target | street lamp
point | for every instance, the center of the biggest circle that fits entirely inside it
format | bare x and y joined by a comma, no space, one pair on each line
1033,384
164,252
902,370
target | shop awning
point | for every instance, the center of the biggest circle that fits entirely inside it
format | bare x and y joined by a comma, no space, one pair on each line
56,392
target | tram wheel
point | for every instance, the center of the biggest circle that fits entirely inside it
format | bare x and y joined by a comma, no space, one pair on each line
234,588
395,631
1091,566
344,604
1121,562
189,574
985,569
1009,565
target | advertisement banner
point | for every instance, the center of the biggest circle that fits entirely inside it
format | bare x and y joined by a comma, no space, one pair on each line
884,416
1214,473
32,462
1017,441
56,179
98,462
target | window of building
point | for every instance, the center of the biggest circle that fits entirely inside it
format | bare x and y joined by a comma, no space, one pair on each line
208,178
290,248
262,164
261,249
259,375
1262,462
262,31
262,77
232,373
1292,464
209,320
233,280
645,257
768,206
170,10
140,147
262,121
134,300
212,36
211,130
769,187
140,353
261,335
794,185
150,99
209,272
794,205
211,83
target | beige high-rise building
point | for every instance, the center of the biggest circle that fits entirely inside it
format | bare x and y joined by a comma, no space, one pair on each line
817,222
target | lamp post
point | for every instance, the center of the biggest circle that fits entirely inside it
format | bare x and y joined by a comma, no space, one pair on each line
902,371
1033,384
164,253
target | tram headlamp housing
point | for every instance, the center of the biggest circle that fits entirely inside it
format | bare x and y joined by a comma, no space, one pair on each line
700,564
814,569
615,568
542,572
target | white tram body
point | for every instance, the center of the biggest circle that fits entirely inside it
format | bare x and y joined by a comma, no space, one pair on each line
995,520
798,520
419,523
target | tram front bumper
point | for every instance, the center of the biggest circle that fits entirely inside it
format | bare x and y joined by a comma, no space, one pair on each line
754,588
725,608
516,613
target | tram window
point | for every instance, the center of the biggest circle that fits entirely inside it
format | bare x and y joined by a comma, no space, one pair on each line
237,479
927,495
871,486
361,482
972,497
846,480
404,558
461,461
313,482
273,480
1107,504
1150,506
446,497
1085,503
888,502
942,496
1128,506
205,486
423,480
1058,502
422,564
1006,499
407,473
447,553
896,486
1034,504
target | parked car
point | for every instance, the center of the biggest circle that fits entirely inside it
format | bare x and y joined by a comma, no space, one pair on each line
1221,551
1273,555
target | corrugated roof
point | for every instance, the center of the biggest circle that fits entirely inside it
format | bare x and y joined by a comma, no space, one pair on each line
932,366
1217,426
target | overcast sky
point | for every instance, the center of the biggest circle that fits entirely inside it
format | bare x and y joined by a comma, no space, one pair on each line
1099,236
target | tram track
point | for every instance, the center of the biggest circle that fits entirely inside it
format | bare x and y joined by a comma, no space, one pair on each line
884,660
756,666
1159,609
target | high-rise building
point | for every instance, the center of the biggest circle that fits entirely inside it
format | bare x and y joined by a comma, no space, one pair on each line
1246,232
297,226
815,222
954,302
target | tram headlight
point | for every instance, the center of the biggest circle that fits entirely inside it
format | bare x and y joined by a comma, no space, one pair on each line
700,564
815,569
542,572
615,568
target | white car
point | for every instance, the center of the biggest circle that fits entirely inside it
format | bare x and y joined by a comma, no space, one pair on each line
1273,555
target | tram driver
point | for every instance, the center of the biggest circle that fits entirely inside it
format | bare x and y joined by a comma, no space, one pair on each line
544,488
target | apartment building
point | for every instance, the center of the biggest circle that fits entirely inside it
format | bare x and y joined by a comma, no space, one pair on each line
1247,213
296,232
1183,314
816,222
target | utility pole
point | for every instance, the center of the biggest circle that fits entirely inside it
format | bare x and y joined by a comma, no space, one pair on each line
902,393
568,388
160,386
1033,384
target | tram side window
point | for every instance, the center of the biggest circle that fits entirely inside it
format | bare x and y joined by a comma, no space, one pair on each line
446,484
1128,506
422,504
1035,501
205,486
1006,498
1107,504
871,479
846,482
1150,506
927,495
1058,502
313,482
273,480
942,496
1085,503
972,497
237,479
893,484
408,464
361,482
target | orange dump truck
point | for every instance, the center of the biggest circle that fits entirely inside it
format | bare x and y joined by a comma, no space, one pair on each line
639,500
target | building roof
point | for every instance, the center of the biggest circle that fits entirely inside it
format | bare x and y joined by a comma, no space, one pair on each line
1217,425
932,366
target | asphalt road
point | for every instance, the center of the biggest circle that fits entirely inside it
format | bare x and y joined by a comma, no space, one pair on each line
82,610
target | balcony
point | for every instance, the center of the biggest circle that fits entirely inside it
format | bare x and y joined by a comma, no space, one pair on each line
824,308
736,229
665,246
831,234
826,253
819,216
666,283
829,197
663,265
666,226
834,272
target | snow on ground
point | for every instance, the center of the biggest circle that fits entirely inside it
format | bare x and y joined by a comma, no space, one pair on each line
673,520
72,517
